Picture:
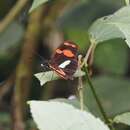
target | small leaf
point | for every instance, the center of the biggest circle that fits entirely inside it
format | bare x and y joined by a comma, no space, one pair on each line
52,115
112,26
123,118
47,76
36,4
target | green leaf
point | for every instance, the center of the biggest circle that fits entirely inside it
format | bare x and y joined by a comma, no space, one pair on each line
114,93
53,115
74,102
116,53
81,15
125,29
36,4
123,118
112,26
47,76
10,37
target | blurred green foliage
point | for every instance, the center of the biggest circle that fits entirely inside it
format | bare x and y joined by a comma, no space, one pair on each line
113,92
79,36
111,58
5,6
10,43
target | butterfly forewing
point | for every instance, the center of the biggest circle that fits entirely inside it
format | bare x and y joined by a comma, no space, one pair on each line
64,62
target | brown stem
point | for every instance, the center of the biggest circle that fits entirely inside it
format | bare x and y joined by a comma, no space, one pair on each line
13,13
80,85
89,54
24,70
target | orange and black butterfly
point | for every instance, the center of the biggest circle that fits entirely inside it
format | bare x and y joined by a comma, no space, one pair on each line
65,60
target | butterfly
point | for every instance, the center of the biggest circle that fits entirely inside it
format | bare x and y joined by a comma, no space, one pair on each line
65,60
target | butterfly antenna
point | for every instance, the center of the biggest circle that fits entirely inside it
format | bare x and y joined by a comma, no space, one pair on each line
40,56
45,63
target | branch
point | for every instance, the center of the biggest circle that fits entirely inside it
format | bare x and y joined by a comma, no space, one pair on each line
6,86
13,13
80,85
89,54
98,101
24,69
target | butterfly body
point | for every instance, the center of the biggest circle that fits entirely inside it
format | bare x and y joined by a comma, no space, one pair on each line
65,62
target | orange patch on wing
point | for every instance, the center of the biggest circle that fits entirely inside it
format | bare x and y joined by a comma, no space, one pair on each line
68,53
58,51
69,44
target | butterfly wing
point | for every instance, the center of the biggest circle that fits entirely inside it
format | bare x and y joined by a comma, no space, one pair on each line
64,62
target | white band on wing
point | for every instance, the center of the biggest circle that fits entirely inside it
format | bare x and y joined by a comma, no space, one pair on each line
64,64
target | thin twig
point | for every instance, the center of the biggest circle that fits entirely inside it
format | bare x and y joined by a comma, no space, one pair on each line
90,54
89,51
13,13
97,100
80,86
